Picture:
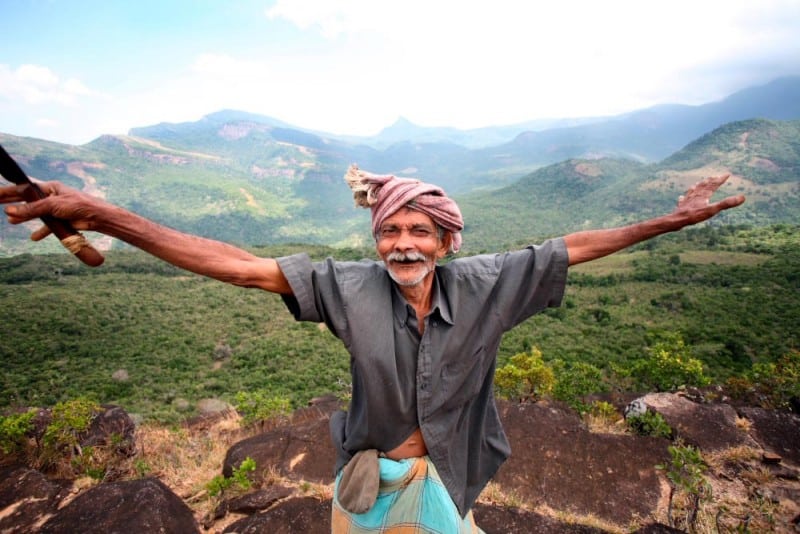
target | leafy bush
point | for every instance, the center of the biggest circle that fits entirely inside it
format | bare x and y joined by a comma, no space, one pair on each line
220,483
69,420
650,424
775,384
14,430
669,365
525,377
685,474
259,405
576,380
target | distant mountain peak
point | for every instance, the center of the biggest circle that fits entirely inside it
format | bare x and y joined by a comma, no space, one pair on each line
402,121
234,115
402,126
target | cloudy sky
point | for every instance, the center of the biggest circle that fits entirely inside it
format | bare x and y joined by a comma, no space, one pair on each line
71,70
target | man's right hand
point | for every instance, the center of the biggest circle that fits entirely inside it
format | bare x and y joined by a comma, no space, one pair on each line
200,255
62,202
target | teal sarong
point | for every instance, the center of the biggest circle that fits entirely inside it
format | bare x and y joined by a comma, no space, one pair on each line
411,499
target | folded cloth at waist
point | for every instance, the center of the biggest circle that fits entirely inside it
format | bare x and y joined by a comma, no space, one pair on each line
411,499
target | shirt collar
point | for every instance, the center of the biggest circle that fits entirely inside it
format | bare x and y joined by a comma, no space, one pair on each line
439,303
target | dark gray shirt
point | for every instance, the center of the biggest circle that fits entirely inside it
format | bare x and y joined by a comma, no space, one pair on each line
441,381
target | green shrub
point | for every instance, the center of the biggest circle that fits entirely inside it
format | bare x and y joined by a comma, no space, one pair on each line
650,424
69,419
777,382
259,405
14,431
220,483
669,365
525,377
576,380
685,473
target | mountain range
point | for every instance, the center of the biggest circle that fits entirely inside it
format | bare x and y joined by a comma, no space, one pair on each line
251,179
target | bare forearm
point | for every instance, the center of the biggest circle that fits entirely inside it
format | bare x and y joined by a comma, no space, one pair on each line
592,244
199,255
693,207
196,254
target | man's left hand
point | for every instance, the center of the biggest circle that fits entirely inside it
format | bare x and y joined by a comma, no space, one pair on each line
695,205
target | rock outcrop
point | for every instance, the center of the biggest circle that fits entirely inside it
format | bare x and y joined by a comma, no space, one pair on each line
561,477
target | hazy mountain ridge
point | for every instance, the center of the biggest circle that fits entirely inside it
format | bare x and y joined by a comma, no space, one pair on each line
251,179
763,158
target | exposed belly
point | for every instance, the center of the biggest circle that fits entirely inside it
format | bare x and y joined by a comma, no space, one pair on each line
413,446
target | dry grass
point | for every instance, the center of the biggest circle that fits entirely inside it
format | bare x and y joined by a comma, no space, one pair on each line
320,492
585,520
494,495
744,424
741,454
186,459
603,418
599,424
737,501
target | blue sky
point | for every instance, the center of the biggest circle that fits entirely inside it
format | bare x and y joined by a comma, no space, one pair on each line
71,70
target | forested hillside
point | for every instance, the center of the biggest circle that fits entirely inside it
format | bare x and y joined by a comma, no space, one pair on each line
253,190
155,340
253,180
763,158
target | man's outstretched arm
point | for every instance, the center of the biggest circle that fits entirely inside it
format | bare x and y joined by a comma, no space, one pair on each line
693,207
199,255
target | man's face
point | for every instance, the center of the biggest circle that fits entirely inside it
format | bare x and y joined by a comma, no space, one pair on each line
408,243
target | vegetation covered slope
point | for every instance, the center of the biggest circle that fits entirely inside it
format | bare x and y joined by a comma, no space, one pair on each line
252,183
155,340
763,158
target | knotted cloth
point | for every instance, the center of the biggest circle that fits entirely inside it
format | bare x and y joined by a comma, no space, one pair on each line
384,194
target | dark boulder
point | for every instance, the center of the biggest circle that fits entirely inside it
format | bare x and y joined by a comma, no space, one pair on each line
300,451
145,505
305,514
556,462
27,499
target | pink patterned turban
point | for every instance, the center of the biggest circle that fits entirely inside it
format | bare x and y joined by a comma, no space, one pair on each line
385,194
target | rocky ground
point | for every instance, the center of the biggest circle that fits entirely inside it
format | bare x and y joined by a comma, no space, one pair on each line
566,475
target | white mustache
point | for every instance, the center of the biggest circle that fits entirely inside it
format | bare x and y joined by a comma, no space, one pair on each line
406,256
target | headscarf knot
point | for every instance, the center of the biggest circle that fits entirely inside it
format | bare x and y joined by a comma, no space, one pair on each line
384,194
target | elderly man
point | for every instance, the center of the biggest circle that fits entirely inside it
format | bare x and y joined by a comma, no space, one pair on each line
422,436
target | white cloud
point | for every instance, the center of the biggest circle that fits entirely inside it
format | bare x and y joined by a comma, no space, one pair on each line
75,87
354,66
36,75
466,63
35,84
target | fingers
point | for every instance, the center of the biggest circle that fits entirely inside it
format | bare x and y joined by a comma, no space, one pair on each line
730,202
40,233
19,213
710,184
33,206
12,193
704,189
713,183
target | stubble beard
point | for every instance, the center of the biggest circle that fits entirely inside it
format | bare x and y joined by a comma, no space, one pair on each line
428,264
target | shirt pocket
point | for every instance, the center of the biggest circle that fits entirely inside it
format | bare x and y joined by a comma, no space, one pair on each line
462,378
